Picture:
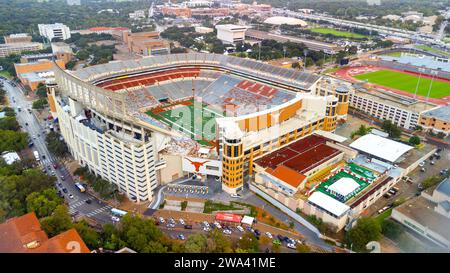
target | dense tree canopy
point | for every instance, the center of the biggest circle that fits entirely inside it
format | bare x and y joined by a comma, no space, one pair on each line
366,230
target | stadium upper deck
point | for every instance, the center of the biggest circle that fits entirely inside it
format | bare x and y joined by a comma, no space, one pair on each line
284,78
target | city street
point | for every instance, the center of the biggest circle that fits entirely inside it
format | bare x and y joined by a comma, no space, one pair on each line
97,210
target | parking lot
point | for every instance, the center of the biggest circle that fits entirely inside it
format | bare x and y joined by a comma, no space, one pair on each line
411,189
196,222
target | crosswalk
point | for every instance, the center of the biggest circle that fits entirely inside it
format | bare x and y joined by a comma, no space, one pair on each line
97,211
77,203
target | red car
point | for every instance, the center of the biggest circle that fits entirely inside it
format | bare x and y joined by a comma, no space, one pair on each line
55,166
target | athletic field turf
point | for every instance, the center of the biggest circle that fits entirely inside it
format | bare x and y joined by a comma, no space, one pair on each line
337,33
198,122
323,187
406,82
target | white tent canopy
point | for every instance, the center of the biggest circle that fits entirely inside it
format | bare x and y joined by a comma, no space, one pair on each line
328,203
247,220
344,186
380,147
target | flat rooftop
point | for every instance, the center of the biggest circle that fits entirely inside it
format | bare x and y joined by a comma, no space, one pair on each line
395,100
442,113
422,211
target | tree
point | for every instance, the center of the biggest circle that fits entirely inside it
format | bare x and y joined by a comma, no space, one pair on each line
391,129
366,230
58,222
218,243
9,112
41,91
39,104
9,123
56,145
414,140
43,203
91,237
301,248
12,141
249,242
391,229
195,243
431,181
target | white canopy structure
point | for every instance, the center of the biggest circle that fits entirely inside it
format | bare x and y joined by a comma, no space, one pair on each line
247,220
281,20
344,186
380,147
328,203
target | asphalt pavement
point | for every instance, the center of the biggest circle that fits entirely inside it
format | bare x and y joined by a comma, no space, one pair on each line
97,210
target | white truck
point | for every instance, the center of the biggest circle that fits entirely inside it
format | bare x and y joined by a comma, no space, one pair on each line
36,155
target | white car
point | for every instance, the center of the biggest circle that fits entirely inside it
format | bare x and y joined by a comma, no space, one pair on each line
115,219
161,220
227,231
70,196
206,224
421,164
182,221
217,225
235,195
292,246
269,235
241,229
206,229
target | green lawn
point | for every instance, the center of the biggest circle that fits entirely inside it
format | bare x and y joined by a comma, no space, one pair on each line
198,122
430,49
406,83
381,217
5,74
338,33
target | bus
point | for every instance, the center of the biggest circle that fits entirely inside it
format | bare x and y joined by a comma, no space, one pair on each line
118,212
36,155
80,187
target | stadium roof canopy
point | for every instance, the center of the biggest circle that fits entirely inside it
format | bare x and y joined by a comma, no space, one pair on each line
344,186
281,20
380,147
328,203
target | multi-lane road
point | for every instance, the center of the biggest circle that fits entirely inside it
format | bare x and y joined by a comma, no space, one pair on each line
96,210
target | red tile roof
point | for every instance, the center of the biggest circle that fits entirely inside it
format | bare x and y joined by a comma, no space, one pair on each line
287,175
24,235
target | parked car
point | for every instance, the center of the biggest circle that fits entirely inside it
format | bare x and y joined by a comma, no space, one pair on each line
276,242
206,229
181,237
227,231
419,186
291,246
432,162
188,226
181,221
115,219
64,190
269,235
70,196
161,220
391,191
217,225
241,229
387,195
257,232
280,237
206,224
423,170
88,201
421,164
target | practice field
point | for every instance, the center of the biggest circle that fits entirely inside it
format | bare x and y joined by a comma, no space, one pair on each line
406,82
195,119
337,33
364,173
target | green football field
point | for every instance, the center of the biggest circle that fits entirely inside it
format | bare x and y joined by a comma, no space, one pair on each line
406,82
337,33
196,120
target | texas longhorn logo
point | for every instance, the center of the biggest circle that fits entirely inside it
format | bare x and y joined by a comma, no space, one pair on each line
197,165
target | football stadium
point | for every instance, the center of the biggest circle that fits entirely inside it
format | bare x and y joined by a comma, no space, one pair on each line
160,118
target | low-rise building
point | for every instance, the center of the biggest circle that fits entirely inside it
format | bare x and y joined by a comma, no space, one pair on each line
428,215
18,38
57,30
24,234
436,120
17,48
176,11
146,43
10,157
231,34
31,74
